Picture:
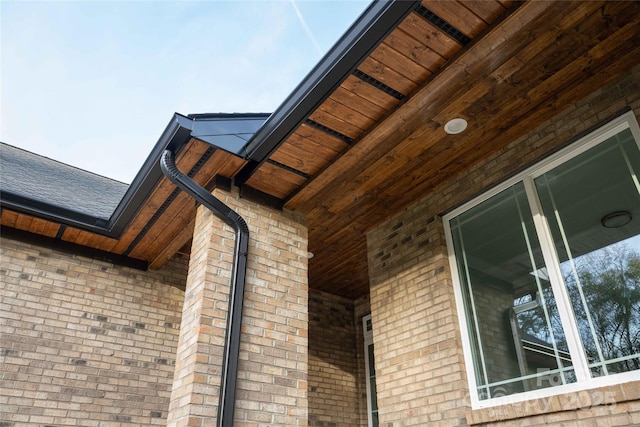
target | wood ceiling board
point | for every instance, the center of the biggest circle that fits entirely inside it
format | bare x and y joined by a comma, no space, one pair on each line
320,137
555,73
429,35
416,150
86,238
275,181
327,269
8,218
176,242
370,93
415,50
381,72
346,113
400,63
358,103
461,18
28,223
421,147
336,123
436,94
487,10
230,164
181,210
186,160
304,155
318,143
562,90
464,156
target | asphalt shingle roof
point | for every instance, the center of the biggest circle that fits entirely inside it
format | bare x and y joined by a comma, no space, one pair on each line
40,178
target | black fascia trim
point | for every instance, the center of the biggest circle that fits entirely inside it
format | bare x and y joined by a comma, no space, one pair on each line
175,136
72,248
25,205
380,18
209,116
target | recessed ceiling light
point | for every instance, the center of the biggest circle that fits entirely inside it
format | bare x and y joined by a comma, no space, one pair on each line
616,219
455,126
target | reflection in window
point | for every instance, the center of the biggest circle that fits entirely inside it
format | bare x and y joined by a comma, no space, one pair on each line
516,337
582,258
589,203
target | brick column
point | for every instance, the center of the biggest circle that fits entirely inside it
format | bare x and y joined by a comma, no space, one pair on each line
272,371
418,350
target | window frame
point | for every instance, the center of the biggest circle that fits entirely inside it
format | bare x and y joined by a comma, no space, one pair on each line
584,380
368,341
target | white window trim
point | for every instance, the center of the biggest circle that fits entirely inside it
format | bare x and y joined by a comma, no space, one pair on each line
368,340
585,381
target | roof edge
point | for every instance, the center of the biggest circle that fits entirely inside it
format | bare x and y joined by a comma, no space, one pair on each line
373,25
174,137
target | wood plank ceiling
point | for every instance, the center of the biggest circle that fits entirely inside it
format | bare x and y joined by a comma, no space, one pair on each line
375,144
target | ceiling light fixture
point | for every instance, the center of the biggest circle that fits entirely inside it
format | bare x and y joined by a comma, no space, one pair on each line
616,219
455,126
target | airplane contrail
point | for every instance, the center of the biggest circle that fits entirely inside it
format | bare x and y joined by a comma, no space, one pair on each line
306,27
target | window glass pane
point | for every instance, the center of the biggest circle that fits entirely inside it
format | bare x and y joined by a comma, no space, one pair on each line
517,341
592,205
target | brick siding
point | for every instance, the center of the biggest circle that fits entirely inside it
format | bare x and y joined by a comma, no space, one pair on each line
333,367
419,360
273,365
84,342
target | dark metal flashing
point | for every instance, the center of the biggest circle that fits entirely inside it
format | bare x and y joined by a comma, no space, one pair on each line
208,116
380,18
379,85
443,25
288,168
72,248
226,400
328,130
255,195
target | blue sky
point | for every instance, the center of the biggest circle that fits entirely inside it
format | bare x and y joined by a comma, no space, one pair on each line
94,83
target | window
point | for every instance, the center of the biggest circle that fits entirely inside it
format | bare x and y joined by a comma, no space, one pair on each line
547,272
370,372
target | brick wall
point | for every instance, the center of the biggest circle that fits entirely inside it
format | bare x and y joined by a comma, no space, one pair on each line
84,342
419,361
273,359
333,367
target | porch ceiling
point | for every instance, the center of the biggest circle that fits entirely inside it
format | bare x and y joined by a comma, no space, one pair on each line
376,144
